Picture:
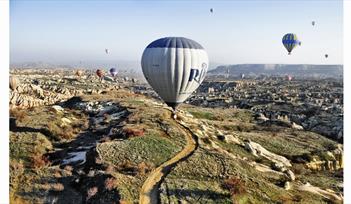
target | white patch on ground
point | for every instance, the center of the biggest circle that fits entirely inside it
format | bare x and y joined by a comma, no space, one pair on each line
117,116
329,194
75,157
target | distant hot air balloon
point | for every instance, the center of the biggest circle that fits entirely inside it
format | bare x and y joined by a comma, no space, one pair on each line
79,73
290,41
99,73
289,77
313,23
211,10
13,83
326,55
174,67
242,76
107,51
113,72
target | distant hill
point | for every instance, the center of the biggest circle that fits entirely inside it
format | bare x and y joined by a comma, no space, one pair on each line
296,70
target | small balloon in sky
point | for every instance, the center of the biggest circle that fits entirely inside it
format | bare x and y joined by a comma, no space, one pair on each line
211,10
313,23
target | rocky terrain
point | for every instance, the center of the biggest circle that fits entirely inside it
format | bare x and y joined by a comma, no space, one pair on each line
265,70
81,140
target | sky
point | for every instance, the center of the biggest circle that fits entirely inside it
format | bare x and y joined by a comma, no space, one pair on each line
237,32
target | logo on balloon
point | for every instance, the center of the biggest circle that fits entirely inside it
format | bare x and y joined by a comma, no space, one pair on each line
194,75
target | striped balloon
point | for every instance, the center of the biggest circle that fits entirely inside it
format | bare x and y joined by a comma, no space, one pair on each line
174,67
290,41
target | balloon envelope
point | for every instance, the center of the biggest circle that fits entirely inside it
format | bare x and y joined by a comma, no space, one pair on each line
99,73
13,82
113,72
290,41
79,72
174,67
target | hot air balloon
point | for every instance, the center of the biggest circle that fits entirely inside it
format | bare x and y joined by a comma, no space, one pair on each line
211,10
99,73
113,72
290,41
107,51
326,55
79,73
13,83
242,76
174,67
313,23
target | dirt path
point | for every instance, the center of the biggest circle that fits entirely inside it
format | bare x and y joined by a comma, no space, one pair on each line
149,191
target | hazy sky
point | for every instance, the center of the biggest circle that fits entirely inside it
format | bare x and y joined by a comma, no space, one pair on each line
236,32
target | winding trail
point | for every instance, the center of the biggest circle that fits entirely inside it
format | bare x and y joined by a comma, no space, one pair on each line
149,191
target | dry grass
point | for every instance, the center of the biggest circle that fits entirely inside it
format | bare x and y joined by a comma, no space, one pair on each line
20,115
17,200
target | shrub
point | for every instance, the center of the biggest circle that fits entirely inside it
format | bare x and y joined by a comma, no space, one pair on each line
39,161
110,169
110,183
130,132
128,167
16,171
144,168
91,192
65,132
235,186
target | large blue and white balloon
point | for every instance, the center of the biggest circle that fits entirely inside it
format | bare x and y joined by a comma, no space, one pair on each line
174,67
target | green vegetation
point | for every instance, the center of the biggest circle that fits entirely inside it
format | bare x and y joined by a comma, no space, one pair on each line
203,115
150,148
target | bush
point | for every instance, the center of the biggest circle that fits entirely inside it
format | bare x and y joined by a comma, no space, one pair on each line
128,167
235,186
59,133
131,132
16,171
110,183
144,168
91,192
39,161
